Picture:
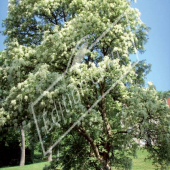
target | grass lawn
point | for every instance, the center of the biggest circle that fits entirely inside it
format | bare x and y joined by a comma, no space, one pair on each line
138,164
36,166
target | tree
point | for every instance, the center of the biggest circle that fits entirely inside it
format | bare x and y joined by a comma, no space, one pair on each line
22,160
41,36
15,67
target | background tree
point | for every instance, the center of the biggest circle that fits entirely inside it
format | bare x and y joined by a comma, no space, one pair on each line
15,66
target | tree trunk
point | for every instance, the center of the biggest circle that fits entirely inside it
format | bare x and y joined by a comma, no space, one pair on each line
103,160
50,156
22,160
105,166
58,155
32,152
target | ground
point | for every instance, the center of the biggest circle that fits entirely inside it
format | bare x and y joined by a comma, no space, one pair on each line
138,164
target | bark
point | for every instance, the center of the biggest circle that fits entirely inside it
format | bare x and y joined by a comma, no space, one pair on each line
107,127
50,156
106,130
32,151
22,159
105,167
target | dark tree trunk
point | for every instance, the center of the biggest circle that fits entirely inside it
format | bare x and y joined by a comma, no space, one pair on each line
32,152
22,160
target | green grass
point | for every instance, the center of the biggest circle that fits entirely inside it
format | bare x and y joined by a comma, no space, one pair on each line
37,166
138,164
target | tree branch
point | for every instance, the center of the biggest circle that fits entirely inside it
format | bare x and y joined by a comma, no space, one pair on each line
90,140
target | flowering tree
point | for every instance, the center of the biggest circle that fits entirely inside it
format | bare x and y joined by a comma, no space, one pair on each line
41,40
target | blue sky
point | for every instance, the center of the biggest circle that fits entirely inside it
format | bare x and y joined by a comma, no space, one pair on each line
155,14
